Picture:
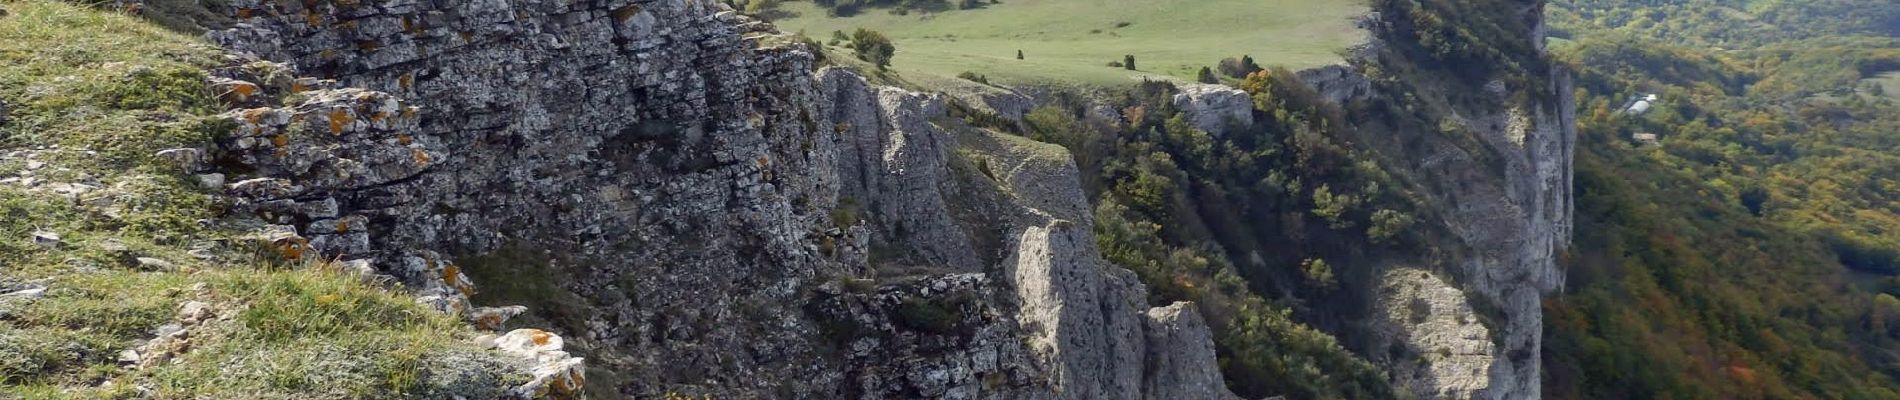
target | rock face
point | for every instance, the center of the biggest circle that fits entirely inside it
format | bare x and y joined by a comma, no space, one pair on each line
1337,83
1507,202
736,225
1428,315
1512,225
1213,108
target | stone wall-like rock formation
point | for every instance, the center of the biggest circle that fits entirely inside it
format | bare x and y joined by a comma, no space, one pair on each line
732,223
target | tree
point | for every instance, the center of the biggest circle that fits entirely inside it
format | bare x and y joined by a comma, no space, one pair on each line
1128,62
1019,54
1387,224
1333,207
1207,76
873,47
1318,273
1238,67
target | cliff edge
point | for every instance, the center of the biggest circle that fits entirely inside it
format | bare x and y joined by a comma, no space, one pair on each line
717,217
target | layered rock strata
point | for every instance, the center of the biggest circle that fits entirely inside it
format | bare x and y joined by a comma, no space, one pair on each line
735,224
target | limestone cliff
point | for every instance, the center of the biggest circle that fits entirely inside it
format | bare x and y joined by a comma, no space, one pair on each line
1497,175
721,219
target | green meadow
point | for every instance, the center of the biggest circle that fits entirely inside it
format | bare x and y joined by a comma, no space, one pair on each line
1072,41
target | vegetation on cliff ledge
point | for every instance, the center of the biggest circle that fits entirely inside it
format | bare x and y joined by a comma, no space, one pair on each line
107,250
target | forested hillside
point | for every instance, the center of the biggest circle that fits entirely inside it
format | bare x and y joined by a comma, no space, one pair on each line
1747,250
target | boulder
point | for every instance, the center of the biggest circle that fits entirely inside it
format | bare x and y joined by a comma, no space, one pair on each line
1214,108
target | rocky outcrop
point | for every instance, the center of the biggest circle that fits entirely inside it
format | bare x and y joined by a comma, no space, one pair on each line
1214,108
893,164
1428,316
1337,83
1077,324
1497,173
733,224
1179,370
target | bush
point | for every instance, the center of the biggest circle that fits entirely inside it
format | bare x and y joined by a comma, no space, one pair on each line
1207,76
756,7
1319,273
1238,67
873,47
926,316
818,55
1333,207
1128,62
1387,224
974,77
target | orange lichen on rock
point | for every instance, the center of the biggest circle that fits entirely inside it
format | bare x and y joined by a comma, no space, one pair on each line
342,226
340,119
292,248
243,12
245,89
405,80
488,321
422,157
403,139
313,19
541,338
256,115
452,276
280,140
568,384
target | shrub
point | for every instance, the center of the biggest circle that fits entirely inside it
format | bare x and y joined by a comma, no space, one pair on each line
873,47
1387,224
926,316
974,77
1238,67
1207,76
1128,62
1318,273
756,7
818,55
1333,207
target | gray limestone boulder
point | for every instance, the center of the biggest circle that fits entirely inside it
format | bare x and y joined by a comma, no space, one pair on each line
1214,108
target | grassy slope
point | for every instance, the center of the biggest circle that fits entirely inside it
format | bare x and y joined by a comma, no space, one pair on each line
110,91
1888,81
1172,38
